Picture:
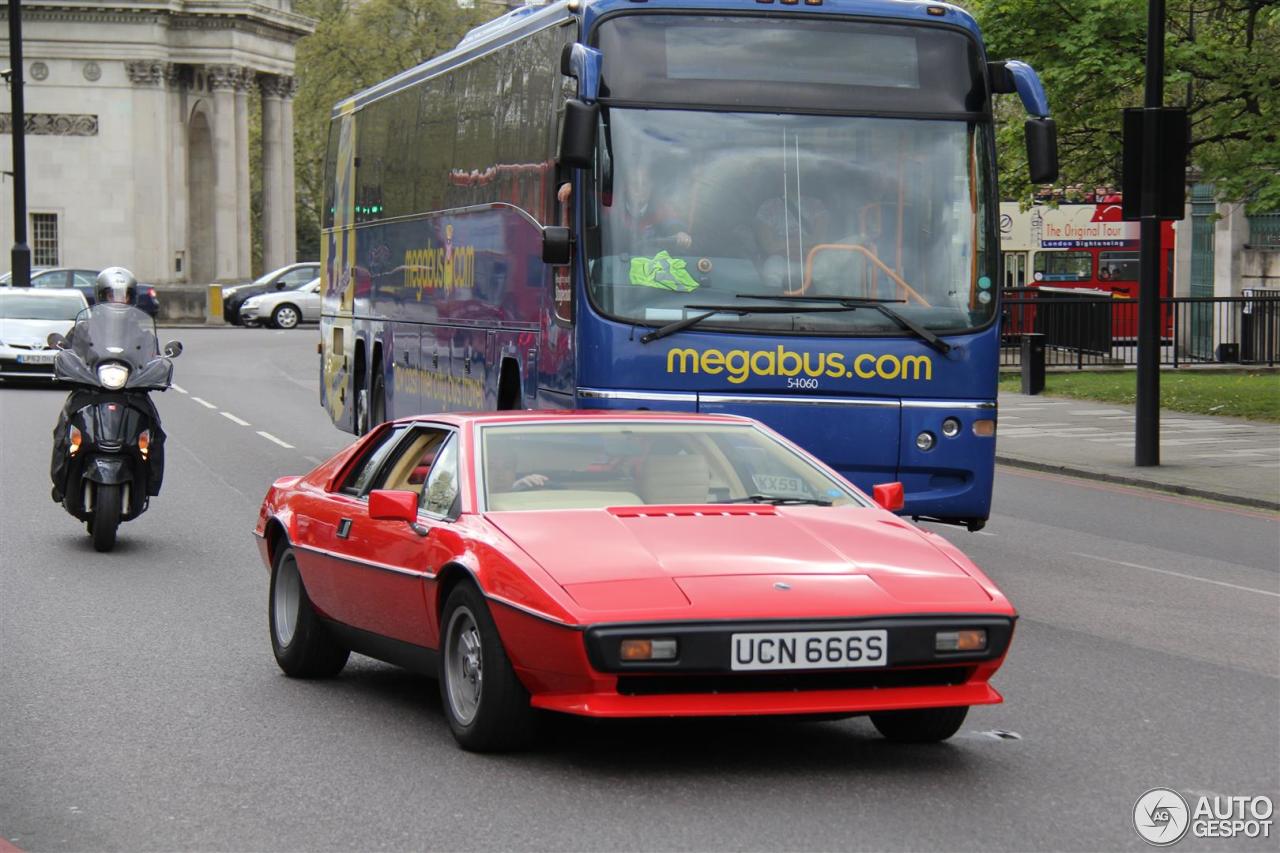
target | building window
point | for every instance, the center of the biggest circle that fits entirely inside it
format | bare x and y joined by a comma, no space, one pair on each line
44,239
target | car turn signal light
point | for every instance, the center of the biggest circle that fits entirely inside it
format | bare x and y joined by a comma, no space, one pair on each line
633,650
974,640
76,439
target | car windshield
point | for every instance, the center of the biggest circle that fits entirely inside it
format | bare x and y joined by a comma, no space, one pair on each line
595,465
799,206
25,306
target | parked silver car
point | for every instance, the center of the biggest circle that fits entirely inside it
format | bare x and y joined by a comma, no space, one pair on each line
284,309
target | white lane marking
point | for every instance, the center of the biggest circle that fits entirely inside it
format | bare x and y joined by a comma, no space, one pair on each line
312,460
204,403
179,389
269,437
234,419
1179,575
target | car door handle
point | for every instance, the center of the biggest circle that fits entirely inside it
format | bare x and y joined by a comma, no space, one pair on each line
344,528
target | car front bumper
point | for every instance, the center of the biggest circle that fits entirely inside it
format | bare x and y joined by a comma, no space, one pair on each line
574,670
26,364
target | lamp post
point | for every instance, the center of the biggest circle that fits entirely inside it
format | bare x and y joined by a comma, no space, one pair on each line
21,254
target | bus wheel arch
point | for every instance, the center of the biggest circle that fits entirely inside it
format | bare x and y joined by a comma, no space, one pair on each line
377,401
359,392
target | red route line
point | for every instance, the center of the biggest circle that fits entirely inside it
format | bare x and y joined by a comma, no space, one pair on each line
1121,489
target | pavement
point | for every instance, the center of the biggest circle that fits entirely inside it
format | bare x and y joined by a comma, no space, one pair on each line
1225,459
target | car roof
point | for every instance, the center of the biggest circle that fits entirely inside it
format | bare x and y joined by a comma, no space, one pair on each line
45,292
573,416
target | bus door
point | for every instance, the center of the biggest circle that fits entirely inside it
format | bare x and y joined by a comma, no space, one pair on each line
1015,269
859,437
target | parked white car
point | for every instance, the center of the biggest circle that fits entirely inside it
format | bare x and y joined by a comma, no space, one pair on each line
27,316
284,309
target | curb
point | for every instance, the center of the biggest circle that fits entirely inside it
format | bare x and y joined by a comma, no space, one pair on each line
1155,485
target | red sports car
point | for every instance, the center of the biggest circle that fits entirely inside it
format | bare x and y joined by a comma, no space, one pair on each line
627,564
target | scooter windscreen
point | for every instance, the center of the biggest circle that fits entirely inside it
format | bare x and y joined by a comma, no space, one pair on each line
115,347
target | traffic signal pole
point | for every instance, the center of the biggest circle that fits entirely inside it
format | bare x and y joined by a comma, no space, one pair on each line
1147,430
21,254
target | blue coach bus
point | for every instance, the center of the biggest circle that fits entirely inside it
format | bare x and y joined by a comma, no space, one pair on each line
779,208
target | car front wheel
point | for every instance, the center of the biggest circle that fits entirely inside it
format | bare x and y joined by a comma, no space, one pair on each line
302,645
925,725
486,705
285,316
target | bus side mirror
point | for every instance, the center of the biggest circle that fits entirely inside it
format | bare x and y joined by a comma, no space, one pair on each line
557,245
578,137
1042,150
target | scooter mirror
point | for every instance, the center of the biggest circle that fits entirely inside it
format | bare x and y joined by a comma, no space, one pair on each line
173,349
56,340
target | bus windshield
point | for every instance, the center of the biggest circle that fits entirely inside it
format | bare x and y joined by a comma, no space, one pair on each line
692,208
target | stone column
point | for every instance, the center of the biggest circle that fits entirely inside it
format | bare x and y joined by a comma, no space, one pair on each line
226,179
274,90
149,211
290,199
244,227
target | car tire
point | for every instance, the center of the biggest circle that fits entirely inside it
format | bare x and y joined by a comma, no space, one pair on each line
924,725
106,516
486,705
286,316
302,644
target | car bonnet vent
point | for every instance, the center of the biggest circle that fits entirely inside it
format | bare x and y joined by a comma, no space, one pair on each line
690,511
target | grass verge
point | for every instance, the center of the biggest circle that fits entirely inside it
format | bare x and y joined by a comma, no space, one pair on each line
1239,394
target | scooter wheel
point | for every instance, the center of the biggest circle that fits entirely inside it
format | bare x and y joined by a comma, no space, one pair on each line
106,517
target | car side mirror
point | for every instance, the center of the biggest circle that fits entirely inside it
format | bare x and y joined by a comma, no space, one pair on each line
396,505
889,496
56,340
173,349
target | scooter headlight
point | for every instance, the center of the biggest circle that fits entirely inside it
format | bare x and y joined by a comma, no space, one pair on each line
113,375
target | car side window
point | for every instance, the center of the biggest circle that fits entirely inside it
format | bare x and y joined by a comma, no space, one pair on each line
56,278
410,466
360,480
441,490
297,278
82,279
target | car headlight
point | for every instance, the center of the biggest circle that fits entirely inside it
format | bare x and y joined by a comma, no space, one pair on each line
113,375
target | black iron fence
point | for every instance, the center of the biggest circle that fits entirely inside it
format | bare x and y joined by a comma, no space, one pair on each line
1100,331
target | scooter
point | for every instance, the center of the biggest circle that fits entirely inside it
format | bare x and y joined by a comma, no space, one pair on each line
108,447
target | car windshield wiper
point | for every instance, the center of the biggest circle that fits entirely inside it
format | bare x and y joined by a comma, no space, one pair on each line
776,500
880,305
740,311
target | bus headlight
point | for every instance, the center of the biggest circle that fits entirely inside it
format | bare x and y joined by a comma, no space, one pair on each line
951,427
925,441
113,375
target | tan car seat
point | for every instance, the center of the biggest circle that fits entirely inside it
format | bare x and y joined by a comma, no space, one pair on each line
674,479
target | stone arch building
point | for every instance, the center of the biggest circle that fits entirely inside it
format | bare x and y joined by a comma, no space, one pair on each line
138,135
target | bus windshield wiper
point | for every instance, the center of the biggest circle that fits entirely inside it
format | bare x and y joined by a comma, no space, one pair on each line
880,305
776,500
712,310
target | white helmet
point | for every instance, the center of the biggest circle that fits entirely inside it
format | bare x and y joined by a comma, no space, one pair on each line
116,285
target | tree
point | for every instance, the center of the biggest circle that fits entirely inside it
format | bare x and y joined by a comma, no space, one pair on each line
358,43
1220,63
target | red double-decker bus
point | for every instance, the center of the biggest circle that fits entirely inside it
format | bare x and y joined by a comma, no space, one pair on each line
1083,247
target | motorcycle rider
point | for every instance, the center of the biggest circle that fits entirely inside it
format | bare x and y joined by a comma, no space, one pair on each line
116,289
